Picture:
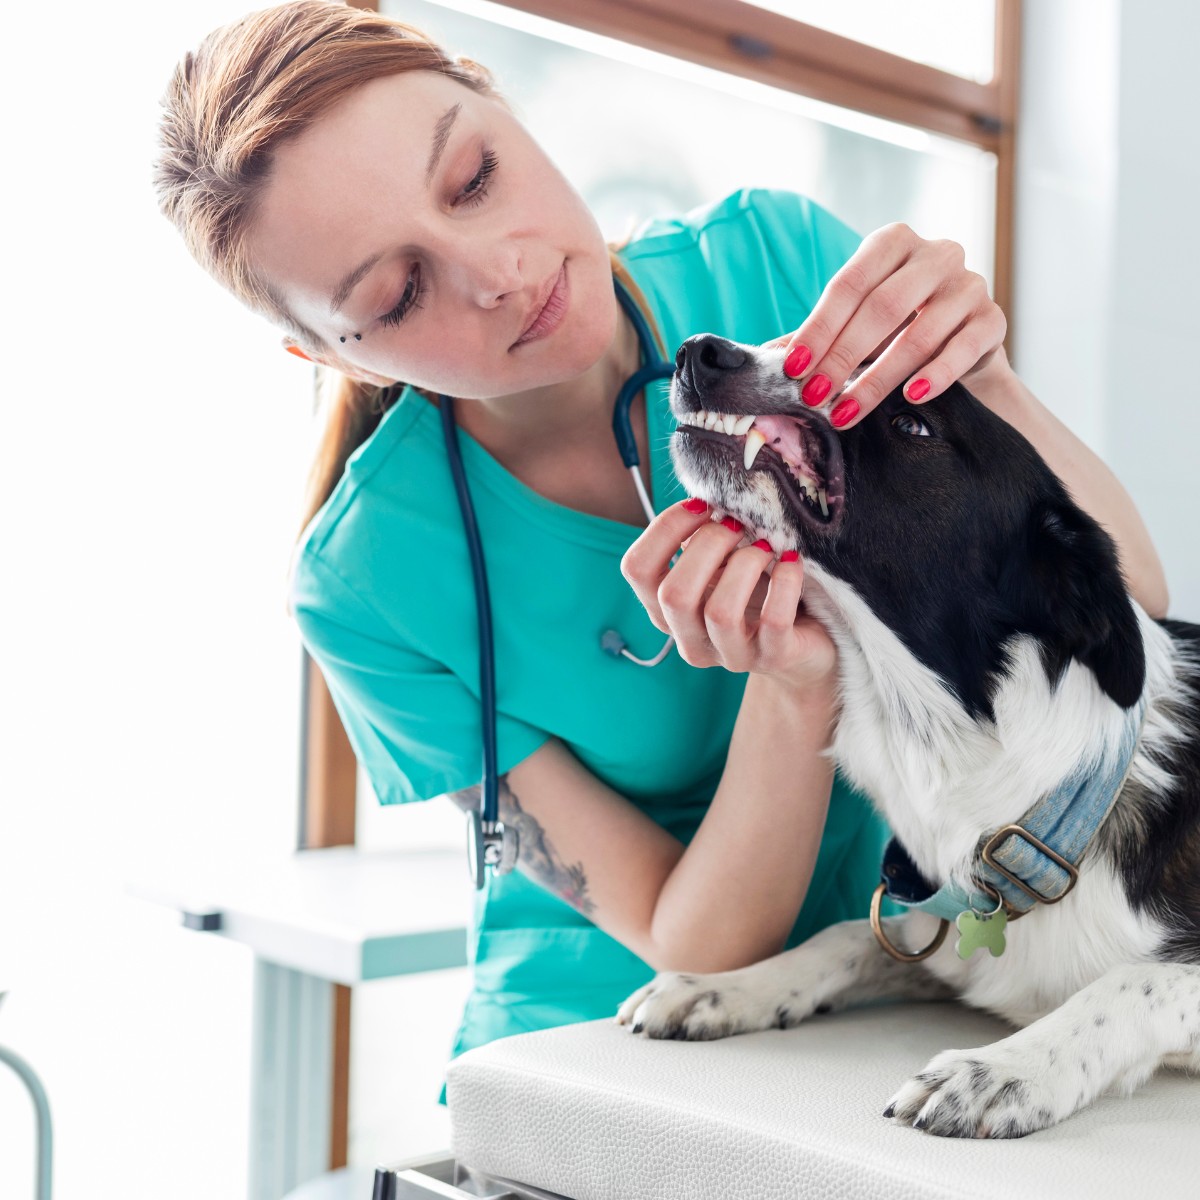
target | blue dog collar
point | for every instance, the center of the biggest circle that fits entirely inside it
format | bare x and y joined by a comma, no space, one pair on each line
1035,861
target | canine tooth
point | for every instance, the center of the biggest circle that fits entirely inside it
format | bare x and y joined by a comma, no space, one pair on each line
824,502
711,419
743,423
755,441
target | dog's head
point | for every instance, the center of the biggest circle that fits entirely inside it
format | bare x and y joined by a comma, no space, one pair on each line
941,516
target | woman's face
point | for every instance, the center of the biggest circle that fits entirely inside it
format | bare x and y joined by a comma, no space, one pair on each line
448,225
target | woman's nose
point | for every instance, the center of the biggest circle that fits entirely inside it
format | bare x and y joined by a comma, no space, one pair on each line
493,277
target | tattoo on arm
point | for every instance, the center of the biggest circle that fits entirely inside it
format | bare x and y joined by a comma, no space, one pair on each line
536,855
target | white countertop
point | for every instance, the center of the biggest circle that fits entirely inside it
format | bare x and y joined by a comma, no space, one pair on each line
339,913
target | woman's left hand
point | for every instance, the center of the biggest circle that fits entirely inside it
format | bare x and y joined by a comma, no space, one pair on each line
912,306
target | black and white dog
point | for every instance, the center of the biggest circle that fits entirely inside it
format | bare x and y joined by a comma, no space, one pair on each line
990,657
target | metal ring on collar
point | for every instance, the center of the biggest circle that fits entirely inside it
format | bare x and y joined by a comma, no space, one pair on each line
894,951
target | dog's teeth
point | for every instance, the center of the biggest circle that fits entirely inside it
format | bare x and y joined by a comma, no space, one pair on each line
728,423
743,424
755,441
824,502
711,419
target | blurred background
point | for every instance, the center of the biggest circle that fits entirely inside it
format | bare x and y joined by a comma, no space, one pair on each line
156,440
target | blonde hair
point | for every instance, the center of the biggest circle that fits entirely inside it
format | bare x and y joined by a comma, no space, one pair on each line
248,87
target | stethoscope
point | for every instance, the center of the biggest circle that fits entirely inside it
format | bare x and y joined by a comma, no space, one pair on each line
489,843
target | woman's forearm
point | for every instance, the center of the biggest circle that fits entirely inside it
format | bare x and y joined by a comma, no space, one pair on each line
734,895
1092,485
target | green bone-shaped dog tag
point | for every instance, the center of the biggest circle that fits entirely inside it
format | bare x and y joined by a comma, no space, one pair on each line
975,931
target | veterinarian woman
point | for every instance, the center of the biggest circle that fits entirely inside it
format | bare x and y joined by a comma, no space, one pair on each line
381,204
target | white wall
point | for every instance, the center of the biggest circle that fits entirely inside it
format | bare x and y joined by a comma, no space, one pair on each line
1106,298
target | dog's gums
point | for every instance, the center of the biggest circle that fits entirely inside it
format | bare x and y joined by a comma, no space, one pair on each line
800,454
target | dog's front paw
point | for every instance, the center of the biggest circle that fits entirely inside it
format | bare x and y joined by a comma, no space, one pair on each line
698,1008
984,1093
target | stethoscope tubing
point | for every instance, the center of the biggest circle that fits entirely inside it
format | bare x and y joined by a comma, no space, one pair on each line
652,368
483,608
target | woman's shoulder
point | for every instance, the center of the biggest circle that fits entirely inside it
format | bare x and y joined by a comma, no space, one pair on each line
750,265
385,483
372,472
775,212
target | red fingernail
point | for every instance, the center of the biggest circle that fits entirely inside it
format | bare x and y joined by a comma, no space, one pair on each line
732,524
795,362
763,544
816,389
789,556
843,412
918,388
695,505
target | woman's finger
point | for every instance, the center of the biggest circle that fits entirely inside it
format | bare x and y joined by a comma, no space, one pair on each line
924,358
684,592
889,309
879,256
962,352
726,610
647,562
918,344
775,635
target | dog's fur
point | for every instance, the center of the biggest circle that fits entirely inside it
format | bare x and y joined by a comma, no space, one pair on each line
987,647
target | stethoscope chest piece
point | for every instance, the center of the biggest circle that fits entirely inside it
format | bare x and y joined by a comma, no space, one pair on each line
489,844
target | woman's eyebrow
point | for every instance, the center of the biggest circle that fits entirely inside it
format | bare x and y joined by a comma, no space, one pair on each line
441,135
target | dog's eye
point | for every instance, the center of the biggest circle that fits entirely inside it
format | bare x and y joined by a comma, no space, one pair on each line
907,423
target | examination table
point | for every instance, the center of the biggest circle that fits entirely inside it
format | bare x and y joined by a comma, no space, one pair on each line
591,1112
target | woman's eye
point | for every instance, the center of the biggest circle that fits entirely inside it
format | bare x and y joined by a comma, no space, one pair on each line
477,188
409,300
907,423
473,193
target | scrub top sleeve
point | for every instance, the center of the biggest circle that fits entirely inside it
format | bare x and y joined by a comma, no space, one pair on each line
805,244
415,728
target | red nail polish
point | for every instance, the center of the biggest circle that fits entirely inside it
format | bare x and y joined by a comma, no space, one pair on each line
763,544
789,556
695,505
795,362
844,411
732,524
918,388
816,389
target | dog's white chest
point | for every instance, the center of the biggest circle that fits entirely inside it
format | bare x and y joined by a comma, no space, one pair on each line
1052,952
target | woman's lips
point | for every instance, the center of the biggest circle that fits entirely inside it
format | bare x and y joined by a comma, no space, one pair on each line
553,311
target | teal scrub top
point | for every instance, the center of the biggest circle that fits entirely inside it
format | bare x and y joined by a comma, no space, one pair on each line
382,591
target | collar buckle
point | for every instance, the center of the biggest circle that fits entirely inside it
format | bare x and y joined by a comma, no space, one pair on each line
1007,831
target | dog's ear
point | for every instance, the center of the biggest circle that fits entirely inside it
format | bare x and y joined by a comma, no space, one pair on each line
1076,602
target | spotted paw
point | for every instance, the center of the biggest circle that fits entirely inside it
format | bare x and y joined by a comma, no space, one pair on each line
983,1093
705,1007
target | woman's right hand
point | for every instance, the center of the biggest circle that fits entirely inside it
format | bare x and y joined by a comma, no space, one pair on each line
721,606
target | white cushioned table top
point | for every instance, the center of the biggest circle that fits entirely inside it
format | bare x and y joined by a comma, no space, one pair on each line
594,1113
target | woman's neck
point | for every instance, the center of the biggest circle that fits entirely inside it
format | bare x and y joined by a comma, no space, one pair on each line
562,415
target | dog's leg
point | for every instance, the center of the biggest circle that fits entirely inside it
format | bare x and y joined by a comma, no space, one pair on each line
839,966
1114,1033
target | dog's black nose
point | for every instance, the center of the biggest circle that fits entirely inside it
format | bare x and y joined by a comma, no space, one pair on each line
704,361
